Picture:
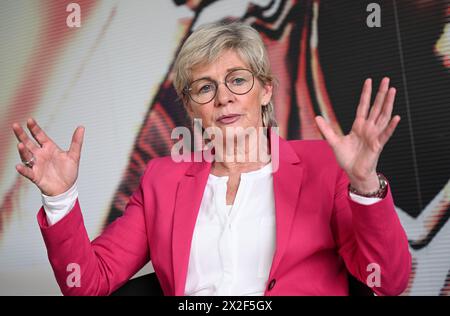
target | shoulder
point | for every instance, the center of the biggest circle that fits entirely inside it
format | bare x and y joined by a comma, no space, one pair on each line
318,144
165,166
318,160
313,151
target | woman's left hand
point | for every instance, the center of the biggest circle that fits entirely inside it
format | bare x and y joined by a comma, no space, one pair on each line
357,153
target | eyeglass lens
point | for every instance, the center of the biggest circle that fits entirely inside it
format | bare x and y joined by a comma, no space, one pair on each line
238,81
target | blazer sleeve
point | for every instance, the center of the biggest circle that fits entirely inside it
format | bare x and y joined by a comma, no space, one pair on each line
99,267
371,240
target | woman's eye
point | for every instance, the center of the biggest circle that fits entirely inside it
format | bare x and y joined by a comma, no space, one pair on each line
205,89
238,81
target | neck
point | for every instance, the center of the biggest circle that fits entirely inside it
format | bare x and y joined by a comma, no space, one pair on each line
233,168
252,155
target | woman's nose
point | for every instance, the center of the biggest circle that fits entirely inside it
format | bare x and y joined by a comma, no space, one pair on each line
224,95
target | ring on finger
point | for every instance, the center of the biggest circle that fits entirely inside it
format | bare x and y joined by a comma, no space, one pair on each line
29,163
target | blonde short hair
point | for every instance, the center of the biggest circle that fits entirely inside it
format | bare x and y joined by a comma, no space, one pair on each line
209,41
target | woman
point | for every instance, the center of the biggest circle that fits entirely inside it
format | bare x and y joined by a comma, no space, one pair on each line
295,225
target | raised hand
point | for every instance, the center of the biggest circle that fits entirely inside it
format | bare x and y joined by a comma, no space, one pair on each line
358,152
50,168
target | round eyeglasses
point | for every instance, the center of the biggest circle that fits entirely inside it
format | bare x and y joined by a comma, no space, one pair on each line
204,90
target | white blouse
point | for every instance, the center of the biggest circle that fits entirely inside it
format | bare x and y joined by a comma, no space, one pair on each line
233,245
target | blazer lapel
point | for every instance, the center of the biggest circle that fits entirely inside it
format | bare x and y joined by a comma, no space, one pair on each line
187,203
287,180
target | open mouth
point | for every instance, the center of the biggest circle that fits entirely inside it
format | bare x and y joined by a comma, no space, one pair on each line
228,119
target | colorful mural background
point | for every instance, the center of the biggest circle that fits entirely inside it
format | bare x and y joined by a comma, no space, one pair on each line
113,75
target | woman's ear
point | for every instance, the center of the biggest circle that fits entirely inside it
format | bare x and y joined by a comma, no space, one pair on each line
188,107
266,93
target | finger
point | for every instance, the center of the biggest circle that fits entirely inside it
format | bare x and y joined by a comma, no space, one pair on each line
386,112
22,137
379,99
77,143
364,100
25,171
24,152
387,133
326,130
37,132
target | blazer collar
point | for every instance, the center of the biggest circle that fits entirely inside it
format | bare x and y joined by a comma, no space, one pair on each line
287,179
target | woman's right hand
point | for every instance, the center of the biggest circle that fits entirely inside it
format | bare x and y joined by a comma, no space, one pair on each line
54,170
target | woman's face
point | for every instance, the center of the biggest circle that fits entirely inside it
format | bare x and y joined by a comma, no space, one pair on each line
243,110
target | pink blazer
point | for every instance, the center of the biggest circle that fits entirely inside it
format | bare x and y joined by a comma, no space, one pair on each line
321,234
